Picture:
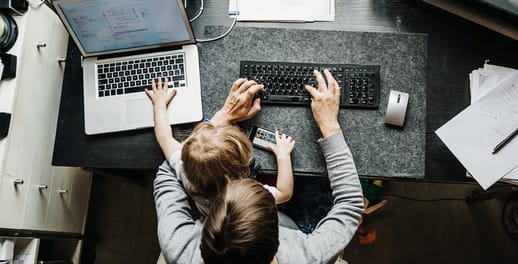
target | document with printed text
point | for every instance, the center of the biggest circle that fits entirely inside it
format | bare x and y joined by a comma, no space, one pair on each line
283,10
472,135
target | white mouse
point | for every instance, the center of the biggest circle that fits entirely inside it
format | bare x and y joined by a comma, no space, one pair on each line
396,108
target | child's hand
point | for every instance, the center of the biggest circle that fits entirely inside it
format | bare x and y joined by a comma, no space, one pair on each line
160,95
284,145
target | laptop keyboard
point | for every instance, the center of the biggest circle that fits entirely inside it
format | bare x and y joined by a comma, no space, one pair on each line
284,82
132,76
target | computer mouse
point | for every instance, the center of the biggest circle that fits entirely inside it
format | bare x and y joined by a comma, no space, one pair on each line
396,108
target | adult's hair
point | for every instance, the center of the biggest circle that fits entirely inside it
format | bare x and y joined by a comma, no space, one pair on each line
242,226
213,155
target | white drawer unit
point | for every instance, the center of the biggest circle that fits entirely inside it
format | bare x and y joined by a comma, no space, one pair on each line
34,195
68,202
29,250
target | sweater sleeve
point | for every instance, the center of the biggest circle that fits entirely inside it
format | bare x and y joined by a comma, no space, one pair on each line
178,232
344,180
336,230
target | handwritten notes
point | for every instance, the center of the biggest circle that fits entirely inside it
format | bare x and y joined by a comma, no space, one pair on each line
473,133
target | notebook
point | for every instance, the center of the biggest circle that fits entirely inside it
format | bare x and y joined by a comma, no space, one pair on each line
125,44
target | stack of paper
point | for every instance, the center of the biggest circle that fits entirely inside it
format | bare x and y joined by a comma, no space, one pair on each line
493,115
485,79
283,10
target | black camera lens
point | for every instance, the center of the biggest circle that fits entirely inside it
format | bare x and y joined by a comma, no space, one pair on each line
8,32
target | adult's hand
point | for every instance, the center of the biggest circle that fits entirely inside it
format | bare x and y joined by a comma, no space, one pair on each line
240,104
325,103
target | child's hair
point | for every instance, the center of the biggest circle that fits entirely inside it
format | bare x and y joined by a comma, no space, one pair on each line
242,226
212,156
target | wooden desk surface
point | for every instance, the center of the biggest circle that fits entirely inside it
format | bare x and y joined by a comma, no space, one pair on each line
455,48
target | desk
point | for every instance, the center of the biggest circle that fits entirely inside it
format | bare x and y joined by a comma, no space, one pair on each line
455,47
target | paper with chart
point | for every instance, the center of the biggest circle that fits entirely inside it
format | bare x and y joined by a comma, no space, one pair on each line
473,133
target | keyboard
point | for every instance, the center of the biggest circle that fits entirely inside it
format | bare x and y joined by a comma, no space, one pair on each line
284,82
131,76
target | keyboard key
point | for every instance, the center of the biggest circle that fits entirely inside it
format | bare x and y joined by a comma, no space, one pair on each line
134,89
177,78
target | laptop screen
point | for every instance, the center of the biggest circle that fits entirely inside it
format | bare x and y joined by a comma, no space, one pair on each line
112,26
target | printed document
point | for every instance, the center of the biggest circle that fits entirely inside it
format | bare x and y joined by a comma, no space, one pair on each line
283,10
473,133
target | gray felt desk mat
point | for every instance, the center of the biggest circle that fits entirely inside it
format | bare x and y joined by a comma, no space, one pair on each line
378,150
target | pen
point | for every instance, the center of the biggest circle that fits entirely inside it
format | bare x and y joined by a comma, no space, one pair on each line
505,141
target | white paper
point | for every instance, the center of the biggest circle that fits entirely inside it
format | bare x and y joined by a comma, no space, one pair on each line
473,133
485,79
322,10
23,259
283,10
1,68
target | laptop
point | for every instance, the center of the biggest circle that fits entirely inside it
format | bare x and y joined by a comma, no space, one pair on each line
125,44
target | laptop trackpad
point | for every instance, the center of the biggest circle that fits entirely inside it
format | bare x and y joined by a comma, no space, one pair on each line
139,111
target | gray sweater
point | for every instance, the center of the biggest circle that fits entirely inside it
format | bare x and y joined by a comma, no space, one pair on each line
179,234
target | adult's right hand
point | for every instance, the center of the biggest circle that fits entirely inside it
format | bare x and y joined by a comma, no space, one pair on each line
240,104
325,103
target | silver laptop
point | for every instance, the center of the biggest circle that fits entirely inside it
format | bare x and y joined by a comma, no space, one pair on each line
125,44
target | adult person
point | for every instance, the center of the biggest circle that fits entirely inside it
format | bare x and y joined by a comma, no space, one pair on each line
180,235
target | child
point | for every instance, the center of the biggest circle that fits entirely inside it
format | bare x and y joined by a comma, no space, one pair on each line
214,155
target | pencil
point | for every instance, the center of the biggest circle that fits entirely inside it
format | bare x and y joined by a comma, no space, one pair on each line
505,141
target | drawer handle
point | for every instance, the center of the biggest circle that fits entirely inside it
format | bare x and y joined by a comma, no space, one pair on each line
40,44
61,60
62,191
17,182
42,187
